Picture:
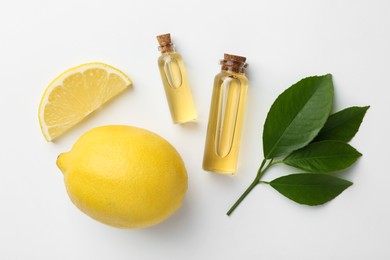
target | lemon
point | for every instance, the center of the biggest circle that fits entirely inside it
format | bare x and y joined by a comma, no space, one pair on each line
76,93
124,176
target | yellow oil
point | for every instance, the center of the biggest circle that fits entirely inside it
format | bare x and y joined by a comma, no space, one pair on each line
177,90
225,122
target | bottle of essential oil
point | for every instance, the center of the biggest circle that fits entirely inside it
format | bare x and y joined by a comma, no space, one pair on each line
175,82
226,116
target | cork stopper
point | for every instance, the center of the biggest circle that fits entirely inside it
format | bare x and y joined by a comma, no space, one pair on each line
165,42
234,57
234,63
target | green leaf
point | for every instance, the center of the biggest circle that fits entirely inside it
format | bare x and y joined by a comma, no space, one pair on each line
310,189
342,125
297,115
323,157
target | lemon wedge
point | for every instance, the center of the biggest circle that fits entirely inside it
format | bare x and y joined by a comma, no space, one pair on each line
76,93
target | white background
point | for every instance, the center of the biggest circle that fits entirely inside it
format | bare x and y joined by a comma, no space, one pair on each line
283,40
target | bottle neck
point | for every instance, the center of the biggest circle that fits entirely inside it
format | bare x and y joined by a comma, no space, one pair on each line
233,66
170,47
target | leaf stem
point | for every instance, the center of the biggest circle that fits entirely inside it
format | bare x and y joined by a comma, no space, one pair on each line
261,166
256,181
276,162
242,197
260,174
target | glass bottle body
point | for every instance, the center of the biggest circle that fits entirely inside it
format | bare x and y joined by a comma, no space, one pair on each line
176,87
225,122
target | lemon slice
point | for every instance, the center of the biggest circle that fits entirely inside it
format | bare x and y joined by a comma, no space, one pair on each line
76,93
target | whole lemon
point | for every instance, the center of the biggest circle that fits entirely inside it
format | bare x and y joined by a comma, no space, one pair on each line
124,176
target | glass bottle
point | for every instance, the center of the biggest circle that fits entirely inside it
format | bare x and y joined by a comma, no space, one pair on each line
226,116
175,82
